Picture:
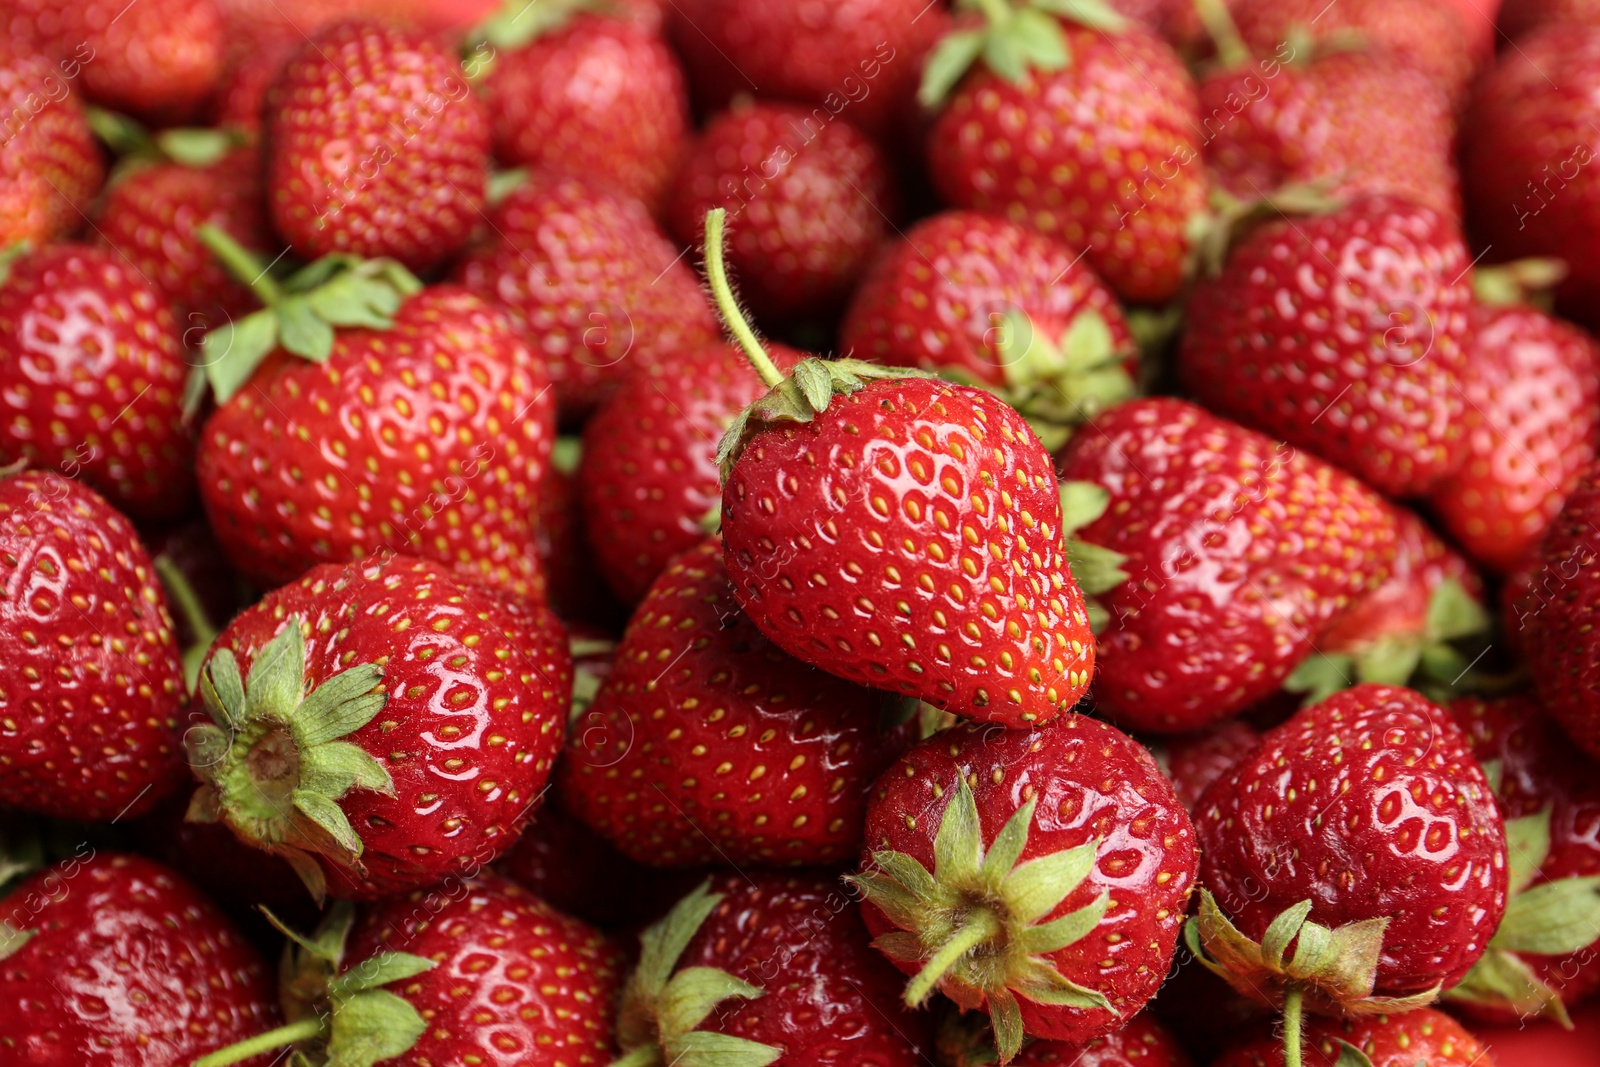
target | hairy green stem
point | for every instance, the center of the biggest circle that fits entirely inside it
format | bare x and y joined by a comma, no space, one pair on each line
270,1041
1219,24
1293,998
240,263
187,603
728,305
982,925
996,11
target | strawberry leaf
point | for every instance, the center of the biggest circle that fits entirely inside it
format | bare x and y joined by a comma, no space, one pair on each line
1503,980
1552,919
1350,1056
371,1027
1527,845
691,994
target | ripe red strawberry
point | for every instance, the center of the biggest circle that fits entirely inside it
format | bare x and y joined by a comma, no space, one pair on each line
966,1041
1344,334
380,147
1194,761
1403,1039
50,166
1365,821
93,692
809,200
95,372
985,301
429,437
381,725
1090,138
1042,875
1521,17
591,277
649,471
596,96
707,744
1546,954
1532,421
111,960
1231,553
766,968
1558,636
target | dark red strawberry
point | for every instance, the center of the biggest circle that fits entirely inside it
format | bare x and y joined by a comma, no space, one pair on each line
91,690
573,583
649,475
111,960
1403,1039
809,200
381,725
95,371
1520,17
766,969
1194,761
1229,555
50,167
1559,639
707,744
596,95
1085,131
1364,831
380,147
966,1041
988,302
1041,875
590,275
1532,420
1344,334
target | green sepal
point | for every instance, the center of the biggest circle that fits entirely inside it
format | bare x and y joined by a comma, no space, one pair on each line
1552,919
518,22
502,183
1015,40
191,147
1520,282
1097,569
12,940
1350,1056
1527,843
372,1027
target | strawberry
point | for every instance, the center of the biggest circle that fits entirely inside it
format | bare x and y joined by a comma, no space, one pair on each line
809,200
1364,828
1543,957
1194,761
380,725
764,969
1084,130
707,743
90,682
50,167
111,960
590,275
476,971
95,371
1532,420
1406,1039
1039,874
379,147
1229,554
574,586
966,1041
1521,17
1558,638
593,95
1345,334
649,475
987,302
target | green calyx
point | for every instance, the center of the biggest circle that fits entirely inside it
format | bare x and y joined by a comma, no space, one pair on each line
660,1009
1016,38
1097,569
976,924
1333,970
186,602
135,144
12,940
1213,234
1060,383
301,312
1522,282
336,1019
518,22
1549,919
272,762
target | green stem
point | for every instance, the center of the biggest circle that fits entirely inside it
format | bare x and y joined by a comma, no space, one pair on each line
643,1056
240,263
188,604
996,11
982,925
728,305
1292,1000
270,1041
1231,49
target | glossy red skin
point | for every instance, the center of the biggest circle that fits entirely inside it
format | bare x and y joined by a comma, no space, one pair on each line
241,100
94,371
930,299
150,215
130,966
1287,118
829,997
889,541
1334,807
1422,1036
1143,1042
1539,770
431,437
601,98
1215,616
809,199
379,147
592,277
1344,334
92,690
997,147
1559,638
761,759
1528,165
50,168
649,473
1194,761
514,981
1093,782
1532,419
468,741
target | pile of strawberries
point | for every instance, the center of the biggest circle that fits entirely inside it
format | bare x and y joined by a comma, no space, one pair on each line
720,533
